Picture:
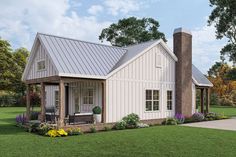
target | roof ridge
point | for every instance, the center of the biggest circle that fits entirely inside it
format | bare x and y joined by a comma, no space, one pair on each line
141,43
57,36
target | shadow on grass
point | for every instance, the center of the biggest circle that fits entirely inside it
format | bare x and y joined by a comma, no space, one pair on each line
10,129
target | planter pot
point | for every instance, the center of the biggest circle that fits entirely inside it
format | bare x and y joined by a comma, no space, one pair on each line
97,118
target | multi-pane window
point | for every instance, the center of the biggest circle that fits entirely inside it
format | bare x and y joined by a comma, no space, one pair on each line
88,96
152,100
169,100
56,99
41,65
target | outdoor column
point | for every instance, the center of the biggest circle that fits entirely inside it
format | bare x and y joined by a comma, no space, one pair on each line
202,100
28,101
42,118
207,99
103,101
61,103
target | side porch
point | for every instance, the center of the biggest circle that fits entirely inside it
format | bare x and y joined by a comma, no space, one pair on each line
68,101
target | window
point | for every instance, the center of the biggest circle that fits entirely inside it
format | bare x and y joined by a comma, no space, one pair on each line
56,99
152,100
169,100
88,96
41,65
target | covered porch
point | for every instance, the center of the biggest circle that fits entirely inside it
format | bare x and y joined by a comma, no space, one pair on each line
68,101
204,98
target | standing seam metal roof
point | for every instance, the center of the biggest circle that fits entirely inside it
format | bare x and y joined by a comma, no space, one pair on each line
79,57
72,56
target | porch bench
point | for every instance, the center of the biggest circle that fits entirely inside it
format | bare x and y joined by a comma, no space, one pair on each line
80,118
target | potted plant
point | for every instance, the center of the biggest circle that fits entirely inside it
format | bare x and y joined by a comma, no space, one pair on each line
97,114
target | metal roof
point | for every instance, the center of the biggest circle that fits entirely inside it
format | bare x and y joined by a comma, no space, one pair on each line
132,51
72,56
80,58
199,79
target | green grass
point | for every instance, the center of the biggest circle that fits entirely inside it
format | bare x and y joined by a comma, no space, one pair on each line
226,110
164,141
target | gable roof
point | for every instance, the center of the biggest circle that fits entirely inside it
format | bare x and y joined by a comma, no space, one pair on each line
199,79
79,57
76,58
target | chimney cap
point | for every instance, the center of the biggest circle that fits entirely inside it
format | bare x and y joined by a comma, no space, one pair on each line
182,30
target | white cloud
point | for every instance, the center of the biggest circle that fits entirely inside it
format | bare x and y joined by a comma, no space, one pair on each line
116,7
95,9
21,20
205,47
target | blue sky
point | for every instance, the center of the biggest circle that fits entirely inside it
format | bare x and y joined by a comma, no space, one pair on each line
84,19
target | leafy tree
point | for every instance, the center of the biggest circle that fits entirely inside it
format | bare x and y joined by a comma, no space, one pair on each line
7,65
223,17
224,89
131,31
20,57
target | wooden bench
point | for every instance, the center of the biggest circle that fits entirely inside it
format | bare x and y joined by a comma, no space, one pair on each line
80,118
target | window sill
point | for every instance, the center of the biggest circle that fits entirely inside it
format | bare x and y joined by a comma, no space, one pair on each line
158,111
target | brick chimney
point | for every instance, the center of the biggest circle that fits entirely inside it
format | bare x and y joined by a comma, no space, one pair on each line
183,72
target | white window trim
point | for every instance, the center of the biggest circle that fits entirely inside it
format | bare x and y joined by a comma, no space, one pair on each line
55,99
168,100
83,91
41,61
152,111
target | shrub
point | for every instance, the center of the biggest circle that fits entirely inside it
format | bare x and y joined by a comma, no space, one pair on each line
121,125
33,126
97,110
210,116
73,131
43,128
224,101
107,128
131,120
142,125
180,118
197,117
93,129
170,121
56,133
21,120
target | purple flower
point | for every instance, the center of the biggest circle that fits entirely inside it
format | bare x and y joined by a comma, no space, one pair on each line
20,119
180,118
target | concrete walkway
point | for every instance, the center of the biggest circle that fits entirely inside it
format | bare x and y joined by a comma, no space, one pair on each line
226,124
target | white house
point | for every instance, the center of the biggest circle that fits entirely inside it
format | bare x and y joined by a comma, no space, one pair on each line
147,78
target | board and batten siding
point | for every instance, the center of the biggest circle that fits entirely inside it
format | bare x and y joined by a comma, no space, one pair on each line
125,89
40,55
76,89
50,96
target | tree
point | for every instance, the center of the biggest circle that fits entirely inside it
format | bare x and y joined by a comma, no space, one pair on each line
20,57
223,17
131,31
7,65
223,88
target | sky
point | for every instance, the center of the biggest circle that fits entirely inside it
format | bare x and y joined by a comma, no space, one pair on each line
20,20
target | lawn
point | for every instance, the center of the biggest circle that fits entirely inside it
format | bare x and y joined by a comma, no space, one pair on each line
170,141
226,110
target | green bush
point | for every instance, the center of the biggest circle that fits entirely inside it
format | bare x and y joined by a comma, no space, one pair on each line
131,120
121,125
107,128
97,110
197,117
43,128
170,121
93,129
